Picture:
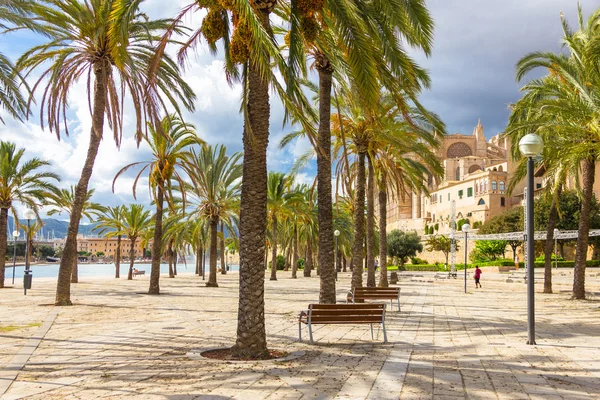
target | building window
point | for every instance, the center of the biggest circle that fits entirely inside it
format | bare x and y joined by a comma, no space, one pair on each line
440,197
502,201
502,186
470,192
448,196
494,185
457,174
538,185
460,194
481,202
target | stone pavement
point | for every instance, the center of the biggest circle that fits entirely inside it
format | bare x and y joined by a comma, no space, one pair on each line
119,343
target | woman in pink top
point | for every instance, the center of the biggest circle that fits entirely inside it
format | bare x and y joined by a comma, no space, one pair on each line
477,275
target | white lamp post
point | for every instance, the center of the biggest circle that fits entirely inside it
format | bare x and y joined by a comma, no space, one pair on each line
16,235
336,233
29,215
530,146
466,228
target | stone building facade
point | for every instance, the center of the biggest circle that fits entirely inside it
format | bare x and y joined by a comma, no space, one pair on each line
476,175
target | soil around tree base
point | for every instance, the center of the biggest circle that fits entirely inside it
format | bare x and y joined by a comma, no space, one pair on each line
225,354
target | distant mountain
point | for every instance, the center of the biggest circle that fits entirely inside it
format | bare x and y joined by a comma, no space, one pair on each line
55,228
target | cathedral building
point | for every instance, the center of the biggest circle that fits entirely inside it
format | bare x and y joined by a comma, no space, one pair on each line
476,175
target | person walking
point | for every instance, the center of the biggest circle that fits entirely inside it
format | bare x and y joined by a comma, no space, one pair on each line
477,276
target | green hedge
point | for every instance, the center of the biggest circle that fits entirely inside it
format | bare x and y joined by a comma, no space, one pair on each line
496,263
563,264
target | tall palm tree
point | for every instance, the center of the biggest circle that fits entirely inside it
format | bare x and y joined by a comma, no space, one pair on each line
278,199
170,144
109,43
62,201
110,223
562,107
214,190
136,221
359,43
368,135
21,181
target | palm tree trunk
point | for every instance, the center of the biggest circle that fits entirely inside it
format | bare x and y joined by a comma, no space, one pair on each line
549,246
274,251
295,253
343,264
212,276
308,261
223,264
3,242
325,260
588,170
156,244
383,278
251,338
74,269
63,286
170,257
359,223
118,258
131,258
175,256
198,260
371,225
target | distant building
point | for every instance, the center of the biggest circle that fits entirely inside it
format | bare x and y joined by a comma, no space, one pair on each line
106,245
476,175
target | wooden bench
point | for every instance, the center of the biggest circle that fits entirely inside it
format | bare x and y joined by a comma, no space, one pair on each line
322,314
136,273
377,293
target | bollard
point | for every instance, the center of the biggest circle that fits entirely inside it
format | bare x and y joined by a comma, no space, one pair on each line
393,278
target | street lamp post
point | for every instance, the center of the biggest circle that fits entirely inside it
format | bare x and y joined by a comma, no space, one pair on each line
29,215
555,248
466,228
530,146
16,234
336,233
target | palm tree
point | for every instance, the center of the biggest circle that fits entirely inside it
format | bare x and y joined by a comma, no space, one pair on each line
62,201
30,232
110,223
214,192
108,42
14,13
278,199
170,144
20,181
356,42
562,108
136,221
369,135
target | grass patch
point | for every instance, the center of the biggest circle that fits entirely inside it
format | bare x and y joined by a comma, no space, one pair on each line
9,328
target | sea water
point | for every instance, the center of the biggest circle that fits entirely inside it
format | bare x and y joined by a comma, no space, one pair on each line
51,270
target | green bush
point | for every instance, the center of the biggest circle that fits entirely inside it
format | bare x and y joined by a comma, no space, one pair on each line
280,262
417,261
563,264
300,263
542,258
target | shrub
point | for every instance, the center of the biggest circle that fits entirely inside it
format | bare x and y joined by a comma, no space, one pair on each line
300,263
417,261
280,262
555,257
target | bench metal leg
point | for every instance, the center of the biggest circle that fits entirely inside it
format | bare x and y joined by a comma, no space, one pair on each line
371,331
384,332
299,331
399,304
310,333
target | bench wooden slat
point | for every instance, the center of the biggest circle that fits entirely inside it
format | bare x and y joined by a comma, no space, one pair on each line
368,289
359,319
345,306
348,312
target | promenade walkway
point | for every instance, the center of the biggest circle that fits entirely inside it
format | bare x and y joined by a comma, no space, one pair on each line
119,343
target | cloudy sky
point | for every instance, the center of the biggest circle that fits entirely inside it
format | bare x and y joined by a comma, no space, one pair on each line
477,43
